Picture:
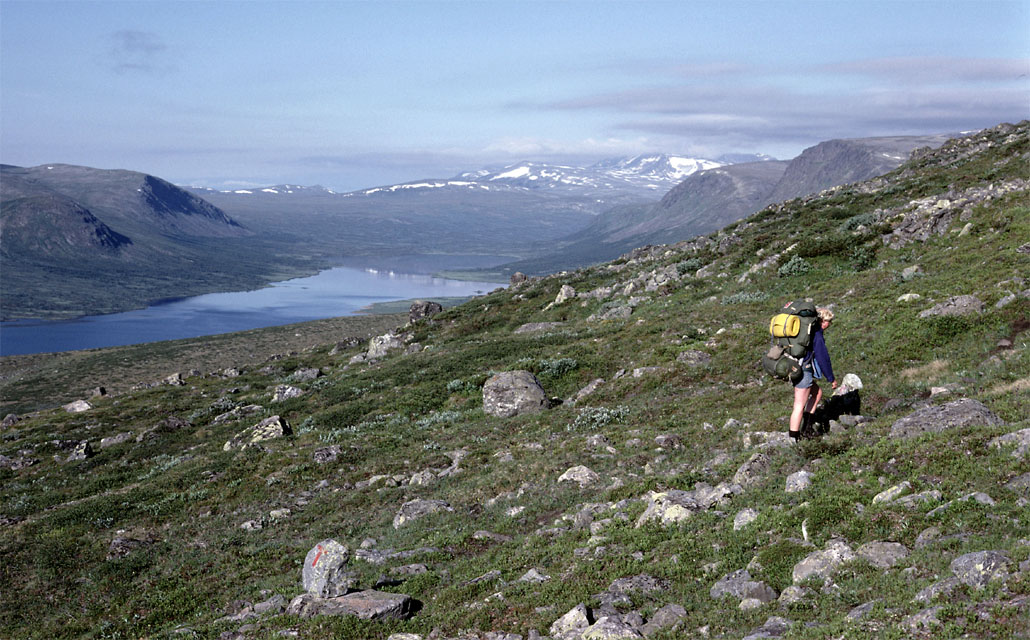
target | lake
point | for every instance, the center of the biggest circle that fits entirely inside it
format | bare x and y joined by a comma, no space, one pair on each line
335,292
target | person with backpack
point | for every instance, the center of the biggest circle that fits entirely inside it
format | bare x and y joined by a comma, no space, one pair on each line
815,365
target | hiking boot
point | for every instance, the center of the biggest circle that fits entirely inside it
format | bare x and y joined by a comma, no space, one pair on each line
794,435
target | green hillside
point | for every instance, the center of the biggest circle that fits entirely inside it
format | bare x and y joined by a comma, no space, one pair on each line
168,534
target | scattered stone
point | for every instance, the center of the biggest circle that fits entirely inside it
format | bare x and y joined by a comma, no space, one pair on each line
275,604
862,610
936,419
909,273
279,514
823,564
883,555
797,482
979,568
324,574
955,306
1019,439
942,588
1020,484
513,393
268,429
533,327
251,525
416,509
740,585
917,499
285,392
487,535
609,628
668,441
571,625
305,375
668,617
380,346
586,391
518,278
327,454
774,627
423,310
123,545
534,576
891,494
174,380
111,441
77,407
82,451
581,475
752,471
909,297
743,518
793,594
923,621
564,294
693,358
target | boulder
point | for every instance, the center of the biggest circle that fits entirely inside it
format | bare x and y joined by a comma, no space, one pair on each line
423,310
955,306
674,505
268,429
305,375
285,392
533,327
518,278
665,618
585,391
694,358
565,294
571,625
366,605
9,420
883,555
823,564
979,568
752,471
743,518
416,509
77,407
327,454
379,346
774,627
1018,439
581,475
513,393
609,628
797,482
324,574
936,419
111,441
82,451
740,585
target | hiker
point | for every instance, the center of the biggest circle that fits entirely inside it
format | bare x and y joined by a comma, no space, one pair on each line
815,365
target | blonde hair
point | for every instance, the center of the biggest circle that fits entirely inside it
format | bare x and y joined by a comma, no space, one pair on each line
825,314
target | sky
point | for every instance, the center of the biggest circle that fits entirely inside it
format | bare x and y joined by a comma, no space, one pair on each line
359,94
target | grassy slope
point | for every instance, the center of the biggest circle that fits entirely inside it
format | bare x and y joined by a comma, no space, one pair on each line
400,416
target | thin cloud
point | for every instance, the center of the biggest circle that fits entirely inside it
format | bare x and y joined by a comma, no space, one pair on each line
132,51
934,70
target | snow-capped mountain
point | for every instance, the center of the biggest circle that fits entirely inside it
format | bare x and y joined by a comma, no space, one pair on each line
279,189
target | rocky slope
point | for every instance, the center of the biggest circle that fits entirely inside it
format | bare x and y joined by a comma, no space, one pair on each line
592,454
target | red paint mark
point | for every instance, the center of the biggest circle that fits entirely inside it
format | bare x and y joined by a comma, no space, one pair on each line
317,555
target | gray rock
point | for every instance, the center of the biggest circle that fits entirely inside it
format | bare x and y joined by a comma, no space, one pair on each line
861,610
668,441
571,625
743,518
268,429
1020,484
9,420
936,419
774,627
1018,439
380,346
82,451
326,454
77,407
275,604
581,475
740,585
513,393
111,441
122,546
955,306
305,375
979,568
797,482
534,576
324,573
823,564
423,310
366,605
793,594
586,391
883,555
893,493
752,471
518,278
668,617
416,509
285,392
693,358
609,628
923,621
942,588
674,505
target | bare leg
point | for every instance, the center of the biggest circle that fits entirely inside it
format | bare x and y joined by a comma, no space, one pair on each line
813,400
800,400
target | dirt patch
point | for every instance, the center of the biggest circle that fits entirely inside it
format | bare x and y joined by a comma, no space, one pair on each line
1019,385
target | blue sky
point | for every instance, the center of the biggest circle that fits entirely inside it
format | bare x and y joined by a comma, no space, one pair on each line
358,94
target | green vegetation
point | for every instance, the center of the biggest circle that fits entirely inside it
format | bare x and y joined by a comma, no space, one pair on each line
173,485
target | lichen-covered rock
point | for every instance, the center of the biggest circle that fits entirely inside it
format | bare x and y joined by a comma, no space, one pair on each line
305,375
513,393
955,306
77,407
668,617
694,358
1018,439
797,482
752,471
883,555
609,628
581,475
936,419
823,564
979,568
82,451
366,605
285,392
324,574
571,625
565,294
416,509
741,586
743,518
534,327
268,429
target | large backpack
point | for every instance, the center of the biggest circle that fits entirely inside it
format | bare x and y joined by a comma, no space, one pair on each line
791,335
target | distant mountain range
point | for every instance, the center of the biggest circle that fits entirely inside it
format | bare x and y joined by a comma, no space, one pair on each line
78,240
